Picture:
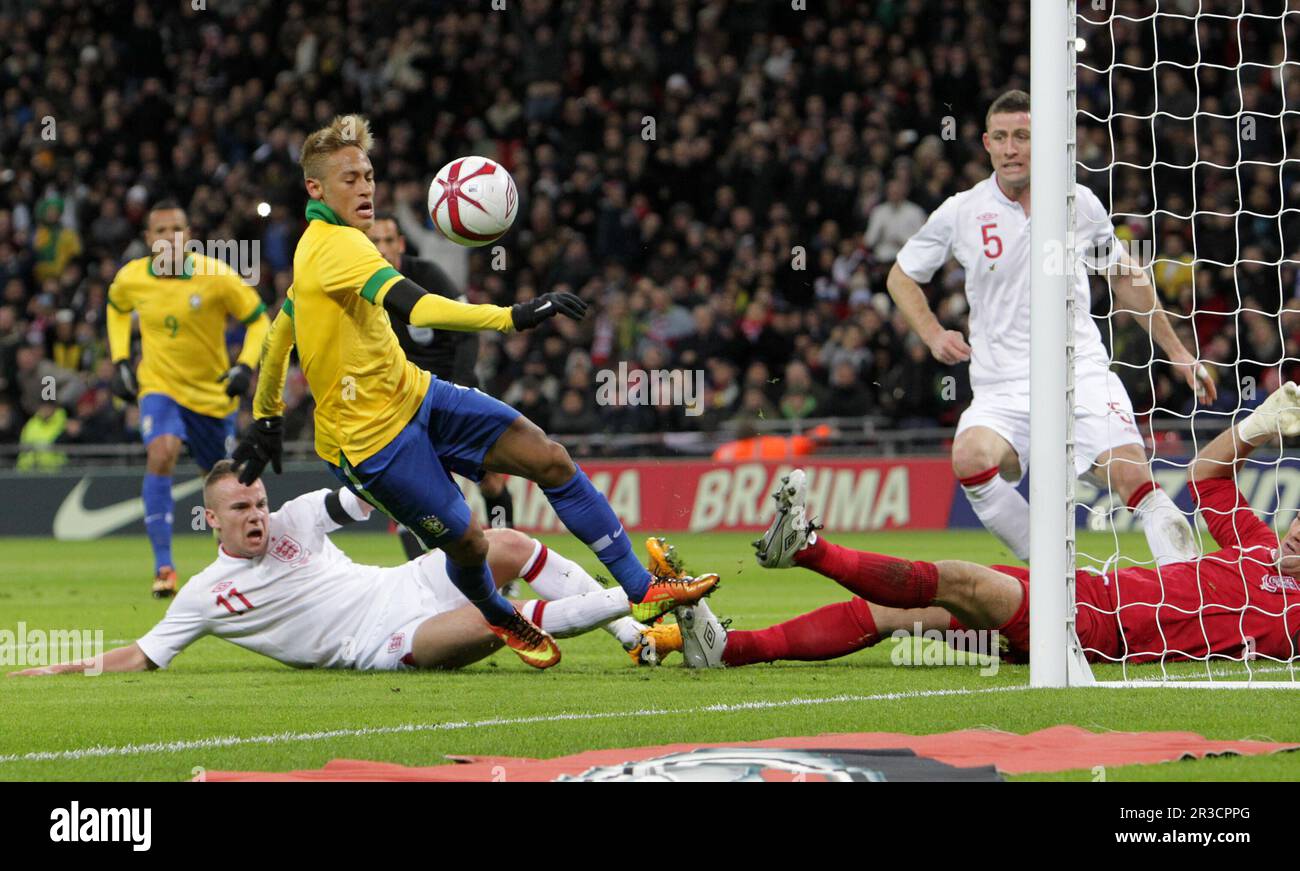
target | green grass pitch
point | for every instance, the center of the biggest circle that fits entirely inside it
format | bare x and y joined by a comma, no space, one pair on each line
203,711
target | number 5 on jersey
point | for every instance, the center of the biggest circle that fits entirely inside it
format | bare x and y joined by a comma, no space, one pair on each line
992,244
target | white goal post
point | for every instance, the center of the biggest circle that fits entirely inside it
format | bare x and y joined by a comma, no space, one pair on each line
1051,460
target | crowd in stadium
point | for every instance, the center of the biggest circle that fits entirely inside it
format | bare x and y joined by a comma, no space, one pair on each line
727,183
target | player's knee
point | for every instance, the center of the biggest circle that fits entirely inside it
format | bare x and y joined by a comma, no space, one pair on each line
470,549
509,553
161,456
957,582
1125,475
969,460
554,465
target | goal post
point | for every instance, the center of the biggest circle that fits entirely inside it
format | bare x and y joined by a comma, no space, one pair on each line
1051,480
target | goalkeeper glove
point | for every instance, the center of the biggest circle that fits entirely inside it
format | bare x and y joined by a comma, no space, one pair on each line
527,315
238,379
1277,415
123,385
262,444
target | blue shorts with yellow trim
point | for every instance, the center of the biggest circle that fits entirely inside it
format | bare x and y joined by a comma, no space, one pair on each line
410,478
209,438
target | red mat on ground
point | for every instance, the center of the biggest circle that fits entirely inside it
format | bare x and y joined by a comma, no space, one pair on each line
1060,748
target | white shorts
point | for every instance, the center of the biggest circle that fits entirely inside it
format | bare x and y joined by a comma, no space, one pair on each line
422,589
1103,417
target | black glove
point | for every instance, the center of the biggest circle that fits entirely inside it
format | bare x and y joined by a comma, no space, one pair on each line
238,379
263,443
123,384
527,315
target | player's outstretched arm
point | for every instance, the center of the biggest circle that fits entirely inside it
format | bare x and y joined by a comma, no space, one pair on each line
1135,293
418,307
129,658
948,346
1279,415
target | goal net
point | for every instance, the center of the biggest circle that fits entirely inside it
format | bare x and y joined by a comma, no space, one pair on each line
1186,118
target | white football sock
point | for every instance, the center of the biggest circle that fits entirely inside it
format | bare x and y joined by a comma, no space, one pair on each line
573,615
556,577
1167,530
1003,511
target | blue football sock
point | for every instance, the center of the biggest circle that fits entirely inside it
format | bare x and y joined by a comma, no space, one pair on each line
157,493
587,515
475,582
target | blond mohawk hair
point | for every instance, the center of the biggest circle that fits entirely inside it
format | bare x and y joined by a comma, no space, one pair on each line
343,132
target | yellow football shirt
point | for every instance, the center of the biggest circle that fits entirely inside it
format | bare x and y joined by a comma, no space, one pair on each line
366,391
183,328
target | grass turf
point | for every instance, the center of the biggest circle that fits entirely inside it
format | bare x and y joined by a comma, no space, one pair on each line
216,692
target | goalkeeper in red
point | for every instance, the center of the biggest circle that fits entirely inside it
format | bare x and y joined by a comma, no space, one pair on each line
393,433
1240,601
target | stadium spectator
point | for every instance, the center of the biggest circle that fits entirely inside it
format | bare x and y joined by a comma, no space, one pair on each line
893,222
672,162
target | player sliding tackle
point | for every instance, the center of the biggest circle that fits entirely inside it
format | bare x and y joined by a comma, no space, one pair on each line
390,431
281,588
986,229
1205,607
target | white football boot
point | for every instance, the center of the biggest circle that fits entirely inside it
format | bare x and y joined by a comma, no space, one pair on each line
790,529
703,636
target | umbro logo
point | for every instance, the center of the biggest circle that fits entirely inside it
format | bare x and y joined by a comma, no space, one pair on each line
987,216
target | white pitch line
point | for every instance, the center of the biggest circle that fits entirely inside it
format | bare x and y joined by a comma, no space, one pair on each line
293,737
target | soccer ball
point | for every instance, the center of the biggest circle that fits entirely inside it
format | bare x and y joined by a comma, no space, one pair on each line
473,201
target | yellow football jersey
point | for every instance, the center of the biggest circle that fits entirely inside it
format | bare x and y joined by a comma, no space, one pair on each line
183,328
366,391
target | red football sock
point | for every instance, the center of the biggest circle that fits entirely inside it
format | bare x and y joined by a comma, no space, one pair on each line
885,580
829,632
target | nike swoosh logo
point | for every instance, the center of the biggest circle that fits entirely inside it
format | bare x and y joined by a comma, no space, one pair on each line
75,522
544,306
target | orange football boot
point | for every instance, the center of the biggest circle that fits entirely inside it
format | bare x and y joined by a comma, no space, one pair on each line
531,644
164,585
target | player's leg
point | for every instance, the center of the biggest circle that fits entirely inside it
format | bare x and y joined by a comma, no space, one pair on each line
163,431
981,598
524,450
407,481
498,501
829,632
473,433
984,455
443,642
453,640
1105,431
572,601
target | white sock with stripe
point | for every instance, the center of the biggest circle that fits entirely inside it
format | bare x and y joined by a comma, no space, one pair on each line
1001,508
558,580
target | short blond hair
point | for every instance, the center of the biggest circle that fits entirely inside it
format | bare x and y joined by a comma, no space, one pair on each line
343,132
221,470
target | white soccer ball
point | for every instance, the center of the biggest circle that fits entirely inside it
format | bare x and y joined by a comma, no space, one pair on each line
473,201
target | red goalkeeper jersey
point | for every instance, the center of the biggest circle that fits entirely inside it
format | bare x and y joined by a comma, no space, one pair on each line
1214,605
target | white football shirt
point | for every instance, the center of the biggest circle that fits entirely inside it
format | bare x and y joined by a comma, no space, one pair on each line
988,234
303,602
